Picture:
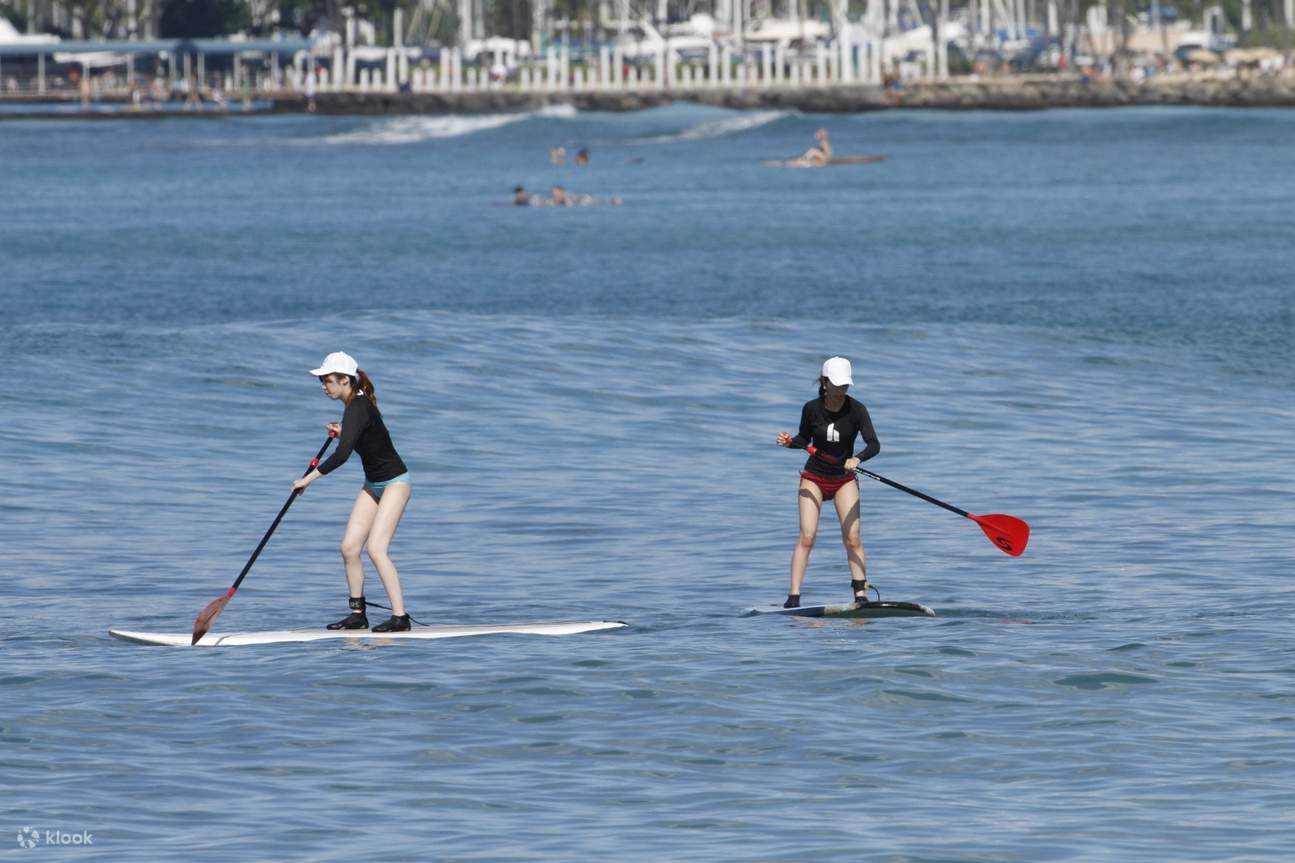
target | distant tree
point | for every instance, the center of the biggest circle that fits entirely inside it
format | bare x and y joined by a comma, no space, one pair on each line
307,15
17,16
193,19
510,18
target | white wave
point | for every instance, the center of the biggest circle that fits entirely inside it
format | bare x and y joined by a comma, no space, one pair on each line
412,130
561,111
718,128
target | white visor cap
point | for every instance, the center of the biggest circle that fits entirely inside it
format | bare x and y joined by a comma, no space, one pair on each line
838,371
341,364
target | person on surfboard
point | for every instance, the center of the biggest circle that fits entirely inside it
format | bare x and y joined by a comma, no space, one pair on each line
821,154
831,423
376,513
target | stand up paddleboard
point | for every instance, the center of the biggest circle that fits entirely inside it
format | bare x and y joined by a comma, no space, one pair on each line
853,609
812,163
241,639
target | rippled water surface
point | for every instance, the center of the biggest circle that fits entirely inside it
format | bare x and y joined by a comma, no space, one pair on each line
1080,318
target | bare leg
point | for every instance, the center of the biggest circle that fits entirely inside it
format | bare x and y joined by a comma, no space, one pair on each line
363,512
389,510
810,497
847,509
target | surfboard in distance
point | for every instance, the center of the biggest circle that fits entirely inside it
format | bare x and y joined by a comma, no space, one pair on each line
419,633
809,163
853,609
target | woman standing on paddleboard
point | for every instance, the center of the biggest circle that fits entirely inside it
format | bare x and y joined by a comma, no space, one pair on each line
831,423
380,503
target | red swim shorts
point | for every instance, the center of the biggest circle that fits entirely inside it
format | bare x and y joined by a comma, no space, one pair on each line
829,485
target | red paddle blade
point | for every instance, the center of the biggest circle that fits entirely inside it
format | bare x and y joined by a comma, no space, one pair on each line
1007,532
208,616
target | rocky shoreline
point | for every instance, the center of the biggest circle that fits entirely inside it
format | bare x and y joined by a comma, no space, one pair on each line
1022,93
1009,94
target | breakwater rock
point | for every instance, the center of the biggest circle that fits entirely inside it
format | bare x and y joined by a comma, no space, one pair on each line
481,101
1002,94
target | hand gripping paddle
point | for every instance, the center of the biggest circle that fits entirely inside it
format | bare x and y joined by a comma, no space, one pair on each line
1007,532
216,606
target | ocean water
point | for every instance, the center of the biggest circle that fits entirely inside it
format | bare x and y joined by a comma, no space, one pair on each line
1080,318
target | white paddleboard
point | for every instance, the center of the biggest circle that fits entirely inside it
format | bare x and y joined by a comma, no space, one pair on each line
418,633
853,609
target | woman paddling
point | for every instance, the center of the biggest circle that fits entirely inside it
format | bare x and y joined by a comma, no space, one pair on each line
831,422
380,503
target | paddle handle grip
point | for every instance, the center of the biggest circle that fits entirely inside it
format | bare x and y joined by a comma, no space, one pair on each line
813,450
319,456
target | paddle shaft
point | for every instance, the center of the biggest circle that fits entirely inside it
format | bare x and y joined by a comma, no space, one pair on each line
914,492
890,482
314,463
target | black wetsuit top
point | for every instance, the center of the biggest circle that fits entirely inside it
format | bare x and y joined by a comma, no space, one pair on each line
833,432
364,432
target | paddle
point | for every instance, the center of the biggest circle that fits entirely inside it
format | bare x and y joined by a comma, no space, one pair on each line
1007,532
216,606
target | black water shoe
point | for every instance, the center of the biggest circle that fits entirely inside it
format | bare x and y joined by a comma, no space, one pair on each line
356,619
396,623
793,601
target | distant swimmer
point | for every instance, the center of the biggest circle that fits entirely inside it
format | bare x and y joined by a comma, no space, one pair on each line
582,157
522,198
560,197
831,423
558,155
823,152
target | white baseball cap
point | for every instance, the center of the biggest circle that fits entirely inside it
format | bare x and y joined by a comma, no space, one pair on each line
838,371
341,364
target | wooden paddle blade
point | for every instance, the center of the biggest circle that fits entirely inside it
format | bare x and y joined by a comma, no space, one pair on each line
1007,532
208,616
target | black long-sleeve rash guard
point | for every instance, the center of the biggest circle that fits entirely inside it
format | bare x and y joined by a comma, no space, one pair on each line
833,432
363,431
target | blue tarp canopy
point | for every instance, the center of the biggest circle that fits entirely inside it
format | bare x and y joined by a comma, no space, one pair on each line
260,46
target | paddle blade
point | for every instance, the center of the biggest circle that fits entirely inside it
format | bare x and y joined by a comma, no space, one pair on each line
1007,532
208,616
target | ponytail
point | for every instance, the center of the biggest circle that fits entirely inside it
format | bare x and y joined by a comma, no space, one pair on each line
822,390
365,385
